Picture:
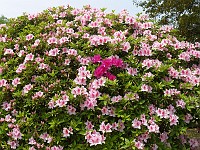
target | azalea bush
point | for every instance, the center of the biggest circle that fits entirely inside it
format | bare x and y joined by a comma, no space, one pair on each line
86,79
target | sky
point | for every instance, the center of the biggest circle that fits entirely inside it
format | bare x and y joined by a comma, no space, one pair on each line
15,8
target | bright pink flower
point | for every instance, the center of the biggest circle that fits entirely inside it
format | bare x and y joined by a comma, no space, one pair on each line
100,71
96,58
110,76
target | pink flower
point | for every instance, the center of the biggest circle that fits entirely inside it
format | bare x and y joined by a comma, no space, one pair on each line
71,110
163,137
136,124
152,109
46,137
105,128
89,125
187,118
16,81
79,91
67,132
194,143
96,59
180,103
27,88
169,92
29,57
61,103
139,145
8,51
110,76
52,40
51,104
173,119
95,138
29,37
3,82
13,144
54,52
16,134
146,88
126,46
153,128
6,106
105,111
132,71
162,113
120,126
32,141
100,71
116,99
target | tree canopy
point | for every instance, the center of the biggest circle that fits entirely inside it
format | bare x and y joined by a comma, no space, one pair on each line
183,14
3,19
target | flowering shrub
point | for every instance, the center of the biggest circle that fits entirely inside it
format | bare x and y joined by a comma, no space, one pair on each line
86,79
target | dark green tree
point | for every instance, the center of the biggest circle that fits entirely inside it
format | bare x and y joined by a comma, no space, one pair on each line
3,19
182,14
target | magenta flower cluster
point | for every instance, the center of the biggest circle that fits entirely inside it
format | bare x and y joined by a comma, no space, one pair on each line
106,65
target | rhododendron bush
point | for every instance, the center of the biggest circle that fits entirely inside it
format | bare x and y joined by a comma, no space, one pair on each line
86,79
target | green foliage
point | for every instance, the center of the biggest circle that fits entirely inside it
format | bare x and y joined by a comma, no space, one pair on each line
183,14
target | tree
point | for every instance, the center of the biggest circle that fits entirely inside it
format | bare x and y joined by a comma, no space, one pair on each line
3,19
182,14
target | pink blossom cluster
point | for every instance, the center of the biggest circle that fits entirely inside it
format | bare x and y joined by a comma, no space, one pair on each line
148,63
106,64
60,75
94,138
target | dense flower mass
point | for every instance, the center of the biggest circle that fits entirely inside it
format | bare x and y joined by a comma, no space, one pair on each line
85,79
